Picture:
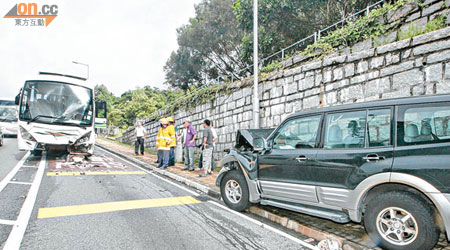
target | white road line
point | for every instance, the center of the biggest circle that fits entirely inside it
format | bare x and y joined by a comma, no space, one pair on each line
277,231
7,222
157,176
24,166
13,172
15,237
20,182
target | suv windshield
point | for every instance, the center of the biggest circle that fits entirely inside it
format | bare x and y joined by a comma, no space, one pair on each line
56,103
8,113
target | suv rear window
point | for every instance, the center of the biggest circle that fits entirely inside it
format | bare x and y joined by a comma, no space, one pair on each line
424,124
348,129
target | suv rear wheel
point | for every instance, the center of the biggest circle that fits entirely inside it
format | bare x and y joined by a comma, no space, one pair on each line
400,220
234,191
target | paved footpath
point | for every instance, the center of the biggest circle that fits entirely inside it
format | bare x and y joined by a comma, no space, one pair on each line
350,235
111,203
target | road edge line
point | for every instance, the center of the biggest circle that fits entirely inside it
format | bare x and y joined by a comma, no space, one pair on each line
268,227
17,233
13,172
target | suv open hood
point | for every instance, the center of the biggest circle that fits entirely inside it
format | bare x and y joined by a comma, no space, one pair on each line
244,137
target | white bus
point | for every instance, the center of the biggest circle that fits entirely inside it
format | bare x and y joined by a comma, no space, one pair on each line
8,117
57,112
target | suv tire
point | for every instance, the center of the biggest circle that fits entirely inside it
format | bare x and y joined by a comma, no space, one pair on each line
234,191
401,215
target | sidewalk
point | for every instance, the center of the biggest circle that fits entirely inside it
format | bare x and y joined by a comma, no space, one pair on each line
350,235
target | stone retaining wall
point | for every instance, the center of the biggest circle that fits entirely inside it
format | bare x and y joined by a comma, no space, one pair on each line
410,67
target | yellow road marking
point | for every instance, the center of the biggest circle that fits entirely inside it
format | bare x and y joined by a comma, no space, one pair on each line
94,173
52,212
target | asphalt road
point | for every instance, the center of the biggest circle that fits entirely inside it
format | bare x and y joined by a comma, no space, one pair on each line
111,204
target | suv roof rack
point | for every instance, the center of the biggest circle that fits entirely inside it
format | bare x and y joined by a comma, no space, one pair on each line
58,74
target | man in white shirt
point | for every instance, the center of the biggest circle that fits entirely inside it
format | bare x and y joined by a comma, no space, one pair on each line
140,133
214,132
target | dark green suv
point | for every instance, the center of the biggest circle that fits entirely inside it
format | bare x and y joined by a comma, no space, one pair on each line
387,162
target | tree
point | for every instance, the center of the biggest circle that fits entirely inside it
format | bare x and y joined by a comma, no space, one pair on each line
284,22
209,46
183,69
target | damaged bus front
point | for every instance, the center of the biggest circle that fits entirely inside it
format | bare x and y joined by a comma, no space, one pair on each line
56,112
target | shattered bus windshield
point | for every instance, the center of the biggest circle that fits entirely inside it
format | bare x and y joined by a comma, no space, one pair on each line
56,103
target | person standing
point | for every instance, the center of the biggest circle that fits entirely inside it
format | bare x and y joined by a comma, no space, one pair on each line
173,143
207,148
163,141
189,137
214,132
140,133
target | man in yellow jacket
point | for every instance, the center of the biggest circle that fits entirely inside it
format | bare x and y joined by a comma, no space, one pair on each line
173,144
163,141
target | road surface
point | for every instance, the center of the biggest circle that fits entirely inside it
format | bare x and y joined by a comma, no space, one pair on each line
112,204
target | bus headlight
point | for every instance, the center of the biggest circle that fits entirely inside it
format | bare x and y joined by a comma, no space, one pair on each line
84,139
25,135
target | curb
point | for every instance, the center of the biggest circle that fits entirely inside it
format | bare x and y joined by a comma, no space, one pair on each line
308,231
281,220
173,176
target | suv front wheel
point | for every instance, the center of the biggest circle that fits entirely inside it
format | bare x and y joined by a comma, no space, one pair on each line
400,220
234,191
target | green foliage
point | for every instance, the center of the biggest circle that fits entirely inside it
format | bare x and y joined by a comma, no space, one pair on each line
198,96
363,28
440,21
414,30
135,104
271,67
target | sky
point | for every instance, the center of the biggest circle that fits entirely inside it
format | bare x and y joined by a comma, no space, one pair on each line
125,43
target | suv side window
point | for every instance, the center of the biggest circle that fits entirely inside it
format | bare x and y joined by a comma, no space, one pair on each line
379,128
298,133
423,124
345,130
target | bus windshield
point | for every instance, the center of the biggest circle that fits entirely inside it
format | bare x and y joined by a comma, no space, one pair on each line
56,103
8,111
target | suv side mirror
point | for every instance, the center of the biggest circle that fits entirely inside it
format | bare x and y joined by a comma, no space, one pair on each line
259,144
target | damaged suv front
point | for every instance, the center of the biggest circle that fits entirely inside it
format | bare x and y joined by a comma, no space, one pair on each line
242,159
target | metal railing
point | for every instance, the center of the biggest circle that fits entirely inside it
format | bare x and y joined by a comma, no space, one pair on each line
311,39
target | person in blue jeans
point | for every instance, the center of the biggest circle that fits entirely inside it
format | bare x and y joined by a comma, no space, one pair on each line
189,137
163,140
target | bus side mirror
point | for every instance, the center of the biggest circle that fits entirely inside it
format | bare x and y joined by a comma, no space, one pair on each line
100,109
17,100
101,114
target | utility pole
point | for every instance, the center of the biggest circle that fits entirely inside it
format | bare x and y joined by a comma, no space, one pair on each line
255,66
87,65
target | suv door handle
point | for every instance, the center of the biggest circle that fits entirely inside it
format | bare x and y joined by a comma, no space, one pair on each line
373,157
302,158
